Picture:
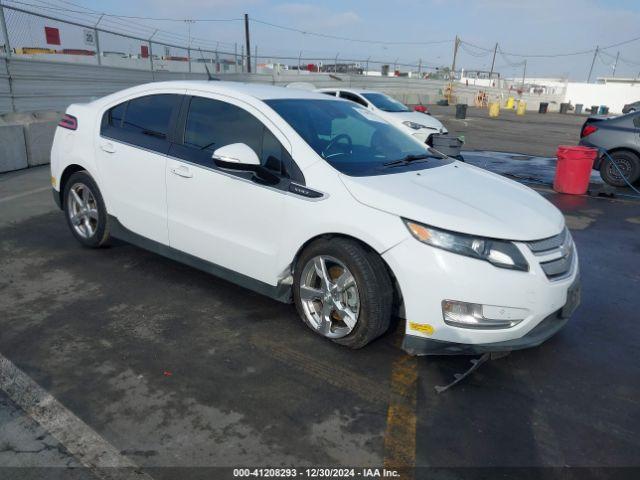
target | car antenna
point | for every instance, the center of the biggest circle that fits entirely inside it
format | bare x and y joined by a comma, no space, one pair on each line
209,77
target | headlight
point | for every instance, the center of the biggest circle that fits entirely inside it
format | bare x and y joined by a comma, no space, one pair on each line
501,253
413,125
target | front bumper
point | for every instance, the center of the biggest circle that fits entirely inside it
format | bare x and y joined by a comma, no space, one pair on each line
546,329
426,276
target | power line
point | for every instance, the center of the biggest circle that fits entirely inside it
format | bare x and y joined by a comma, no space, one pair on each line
348,39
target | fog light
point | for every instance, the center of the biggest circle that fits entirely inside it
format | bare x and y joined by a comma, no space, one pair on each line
476,315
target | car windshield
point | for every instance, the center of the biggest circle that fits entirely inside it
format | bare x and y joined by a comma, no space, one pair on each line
385,102
352,139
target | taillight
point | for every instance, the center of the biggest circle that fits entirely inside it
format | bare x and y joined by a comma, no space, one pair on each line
68,121
587,130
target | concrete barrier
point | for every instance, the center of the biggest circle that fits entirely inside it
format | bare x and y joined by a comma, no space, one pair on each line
38,138
13,154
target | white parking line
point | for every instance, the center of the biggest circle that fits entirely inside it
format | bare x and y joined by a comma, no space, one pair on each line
89,448
24,194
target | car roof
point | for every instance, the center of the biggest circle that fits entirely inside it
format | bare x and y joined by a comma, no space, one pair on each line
256,90
351,90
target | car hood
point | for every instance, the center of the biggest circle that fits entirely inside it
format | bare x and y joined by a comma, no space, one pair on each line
417,117
461,198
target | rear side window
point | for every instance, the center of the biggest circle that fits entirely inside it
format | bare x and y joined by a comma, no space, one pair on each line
143,121
150,115
116,115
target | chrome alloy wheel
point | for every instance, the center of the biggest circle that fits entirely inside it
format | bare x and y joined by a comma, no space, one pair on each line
83,210
329,296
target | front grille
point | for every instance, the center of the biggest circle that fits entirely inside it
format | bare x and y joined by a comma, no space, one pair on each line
558,253
540,247
558,268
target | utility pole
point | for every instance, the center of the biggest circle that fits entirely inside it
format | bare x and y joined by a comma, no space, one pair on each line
455,54
97,38
420,68
246,36
615,65
189,22
493,62
151,52
592,63
452,73
524,72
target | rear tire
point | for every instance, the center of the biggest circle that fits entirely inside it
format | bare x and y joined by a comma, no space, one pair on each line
349,312
627,162
85,211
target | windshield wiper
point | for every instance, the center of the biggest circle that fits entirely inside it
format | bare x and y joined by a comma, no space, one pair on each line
408,159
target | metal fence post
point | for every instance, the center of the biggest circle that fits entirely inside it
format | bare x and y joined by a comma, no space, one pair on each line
5,32
95,31
189,58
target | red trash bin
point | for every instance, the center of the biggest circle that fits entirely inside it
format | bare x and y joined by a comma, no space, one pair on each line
573,169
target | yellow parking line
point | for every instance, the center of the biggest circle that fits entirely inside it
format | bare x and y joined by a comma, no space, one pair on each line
400,434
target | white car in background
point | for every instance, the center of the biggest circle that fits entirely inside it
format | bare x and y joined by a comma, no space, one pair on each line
419,125
316,201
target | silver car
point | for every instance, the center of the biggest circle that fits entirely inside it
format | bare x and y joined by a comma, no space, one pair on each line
619,137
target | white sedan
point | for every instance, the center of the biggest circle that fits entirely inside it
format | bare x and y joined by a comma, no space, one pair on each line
419,125
317,201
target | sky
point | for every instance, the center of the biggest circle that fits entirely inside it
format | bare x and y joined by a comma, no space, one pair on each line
406,31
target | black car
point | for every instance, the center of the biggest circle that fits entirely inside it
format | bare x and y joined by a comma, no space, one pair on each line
631,107
620,138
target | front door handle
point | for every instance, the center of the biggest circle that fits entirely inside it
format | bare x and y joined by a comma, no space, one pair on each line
182,172
108,147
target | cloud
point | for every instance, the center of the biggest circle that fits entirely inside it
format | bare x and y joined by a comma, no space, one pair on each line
308,16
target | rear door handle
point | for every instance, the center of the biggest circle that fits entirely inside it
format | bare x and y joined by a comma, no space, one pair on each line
108,147
182,172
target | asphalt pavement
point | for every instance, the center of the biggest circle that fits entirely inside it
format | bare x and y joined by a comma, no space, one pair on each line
155,365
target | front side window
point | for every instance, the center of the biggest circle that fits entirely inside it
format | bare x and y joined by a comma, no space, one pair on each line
385,102
353,97
354,140
212,124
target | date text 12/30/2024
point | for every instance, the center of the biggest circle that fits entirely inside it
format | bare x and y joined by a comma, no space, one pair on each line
335,473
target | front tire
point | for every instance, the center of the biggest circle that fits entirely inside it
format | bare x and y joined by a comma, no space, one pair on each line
85,211
343,292
628,163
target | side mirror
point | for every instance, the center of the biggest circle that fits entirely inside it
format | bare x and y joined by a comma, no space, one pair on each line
236,156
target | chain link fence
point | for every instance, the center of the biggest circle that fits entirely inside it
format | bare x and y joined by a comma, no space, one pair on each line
37,36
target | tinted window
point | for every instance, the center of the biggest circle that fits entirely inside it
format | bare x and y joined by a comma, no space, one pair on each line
116,115
144,122
150,115
352,139
212,124
385,102
353,98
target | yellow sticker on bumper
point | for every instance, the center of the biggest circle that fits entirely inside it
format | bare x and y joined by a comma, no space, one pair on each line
422,328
